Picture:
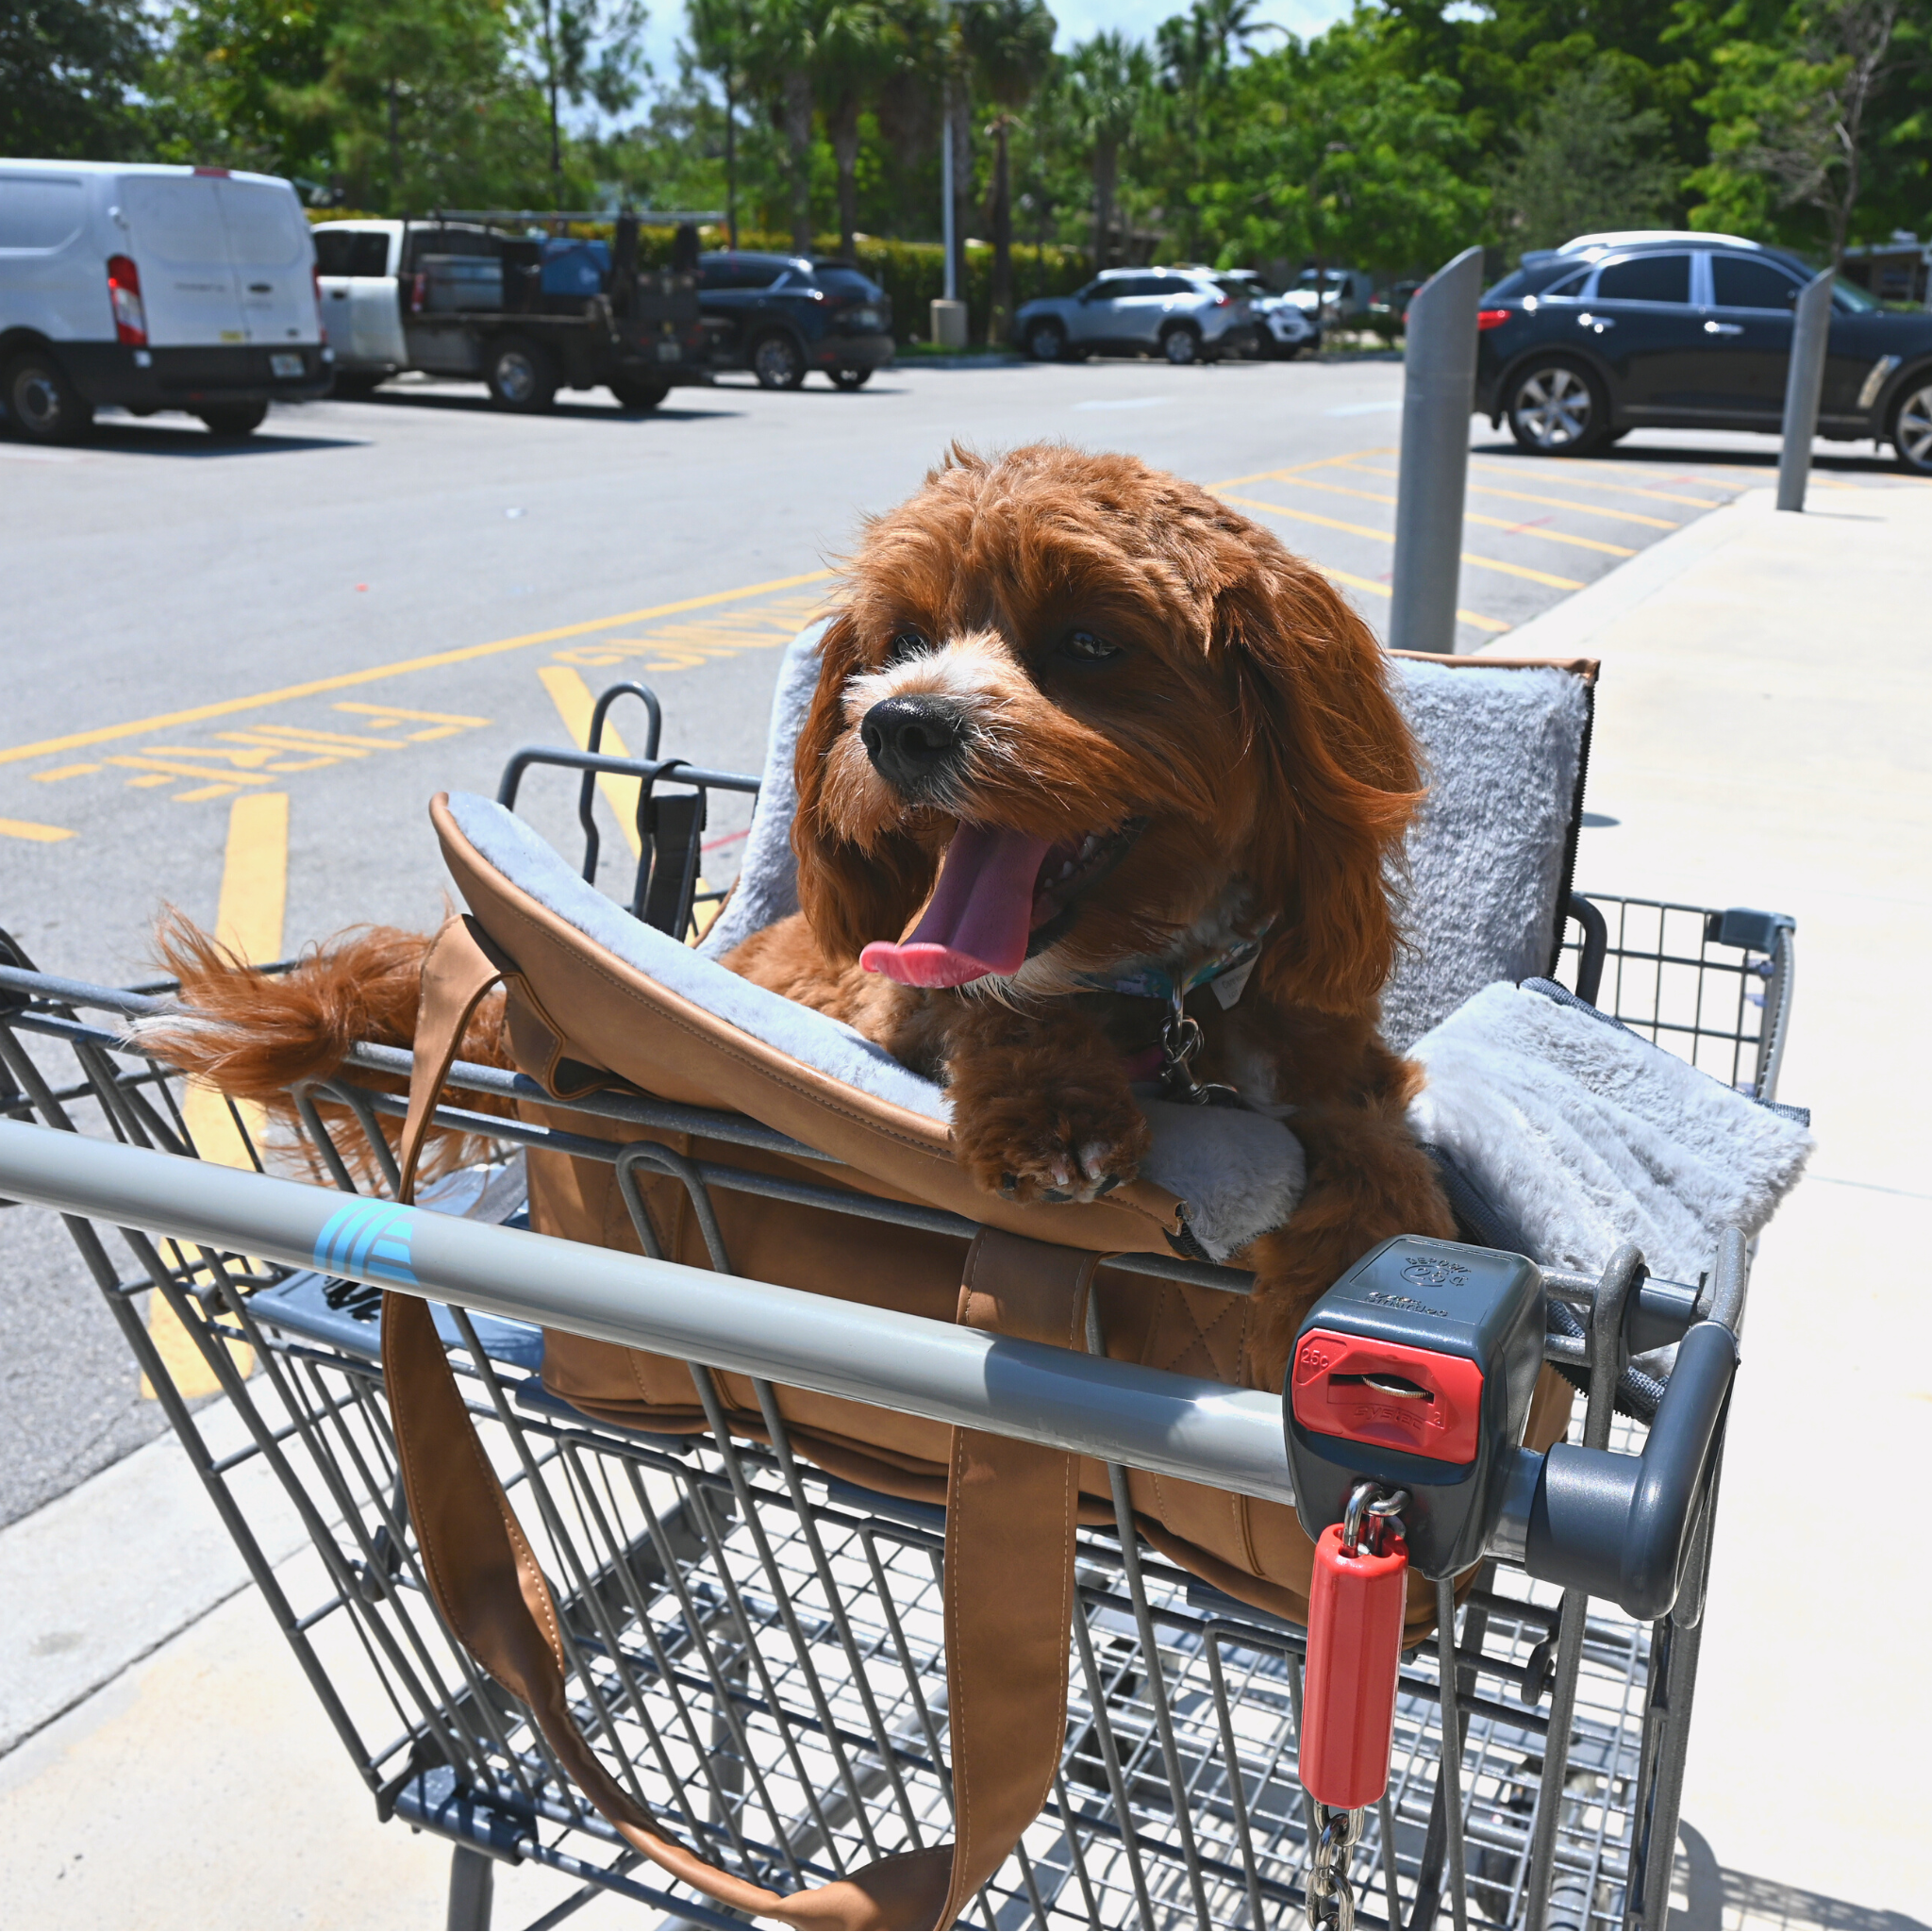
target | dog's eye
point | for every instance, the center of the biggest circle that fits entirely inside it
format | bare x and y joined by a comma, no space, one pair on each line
1088,648
905,643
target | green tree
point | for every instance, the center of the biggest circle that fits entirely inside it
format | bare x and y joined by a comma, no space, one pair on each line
858,45
1011,45
1793,114
584,50
68,71
1109,81
1587,161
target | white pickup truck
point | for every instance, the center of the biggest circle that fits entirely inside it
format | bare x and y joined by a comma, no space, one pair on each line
479,296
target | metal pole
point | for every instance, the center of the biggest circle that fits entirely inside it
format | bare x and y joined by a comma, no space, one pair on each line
1438,396
1804,385
946,189
1177,1425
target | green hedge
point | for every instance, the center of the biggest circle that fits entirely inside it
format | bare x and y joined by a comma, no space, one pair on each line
912,274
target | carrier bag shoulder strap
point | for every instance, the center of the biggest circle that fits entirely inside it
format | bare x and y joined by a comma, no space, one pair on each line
1009,1568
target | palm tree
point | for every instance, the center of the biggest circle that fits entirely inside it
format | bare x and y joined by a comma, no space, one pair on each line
1010,45
1107,82
858,46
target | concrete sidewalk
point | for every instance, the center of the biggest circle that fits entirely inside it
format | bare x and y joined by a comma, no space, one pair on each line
1763,733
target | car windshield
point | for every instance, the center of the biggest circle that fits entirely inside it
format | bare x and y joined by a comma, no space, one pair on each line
1241,291
1314,278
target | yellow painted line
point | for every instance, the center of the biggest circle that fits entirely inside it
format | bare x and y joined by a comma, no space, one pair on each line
575,705
397,711
40,835
249,917
1495,626
1469,516
1592,509
1309,516
1523,529
1616,488
165,768
348,680
1380,449
60,772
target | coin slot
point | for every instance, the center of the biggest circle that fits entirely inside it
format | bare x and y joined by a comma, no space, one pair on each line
1398,1385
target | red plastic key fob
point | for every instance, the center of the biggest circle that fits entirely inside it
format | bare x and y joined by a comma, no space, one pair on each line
1355,1608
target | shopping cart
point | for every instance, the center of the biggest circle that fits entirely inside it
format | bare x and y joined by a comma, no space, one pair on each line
756,1647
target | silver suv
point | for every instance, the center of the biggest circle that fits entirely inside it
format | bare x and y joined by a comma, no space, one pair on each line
1185,316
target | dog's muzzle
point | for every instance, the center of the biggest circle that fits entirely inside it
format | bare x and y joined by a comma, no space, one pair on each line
915,743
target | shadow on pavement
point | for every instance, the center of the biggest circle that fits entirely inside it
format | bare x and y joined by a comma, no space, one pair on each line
1633,452
1714,1897
581,412
128,437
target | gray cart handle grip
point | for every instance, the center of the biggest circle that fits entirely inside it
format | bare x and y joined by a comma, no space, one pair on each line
1619,1527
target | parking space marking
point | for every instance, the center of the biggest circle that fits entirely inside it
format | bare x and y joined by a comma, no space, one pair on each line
1468,516
1494,624
349,680
575,705
39,835
1570,481
1380,449
1309,516
249,917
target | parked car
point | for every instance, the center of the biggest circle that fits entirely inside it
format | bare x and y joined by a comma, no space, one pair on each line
1184,315
1387,312
1692,331
782,316
483,297
154,288
1329,295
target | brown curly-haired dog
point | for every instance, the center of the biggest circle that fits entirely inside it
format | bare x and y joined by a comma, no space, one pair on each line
1078,721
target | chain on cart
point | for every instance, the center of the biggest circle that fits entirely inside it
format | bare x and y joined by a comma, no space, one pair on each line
756,1647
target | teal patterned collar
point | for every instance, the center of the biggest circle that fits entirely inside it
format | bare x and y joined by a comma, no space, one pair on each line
1172,982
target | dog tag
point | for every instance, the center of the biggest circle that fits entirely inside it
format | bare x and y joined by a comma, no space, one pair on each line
1356,1605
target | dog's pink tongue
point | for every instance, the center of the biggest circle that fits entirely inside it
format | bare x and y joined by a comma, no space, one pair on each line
978,917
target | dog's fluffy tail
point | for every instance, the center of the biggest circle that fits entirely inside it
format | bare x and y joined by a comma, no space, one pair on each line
255,1035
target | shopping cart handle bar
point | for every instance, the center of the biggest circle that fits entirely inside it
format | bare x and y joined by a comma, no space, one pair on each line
1619,1525
1178,1425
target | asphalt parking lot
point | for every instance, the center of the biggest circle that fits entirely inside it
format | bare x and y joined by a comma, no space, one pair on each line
237,673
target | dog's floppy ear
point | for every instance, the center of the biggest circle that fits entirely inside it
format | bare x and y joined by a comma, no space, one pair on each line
850,894
1340,781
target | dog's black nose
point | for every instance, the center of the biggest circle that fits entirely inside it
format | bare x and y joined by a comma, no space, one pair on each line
912,740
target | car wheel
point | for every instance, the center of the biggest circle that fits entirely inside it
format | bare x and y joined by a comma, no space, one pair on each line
1558,409
520,375
777,362
45,406
234,419
1181,344
1911,430
1046,342
639,391
850,379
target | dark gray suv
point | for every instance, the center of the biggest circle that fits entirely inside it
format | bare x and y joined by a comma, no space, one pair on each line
781,316
1694,331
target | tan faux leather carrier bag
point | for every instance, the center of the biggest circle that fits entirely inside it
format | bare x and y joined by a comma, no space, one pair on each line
580,1018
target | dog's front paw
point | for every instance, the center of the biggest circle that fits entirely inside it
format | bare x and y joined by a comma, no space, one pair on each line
1069,1149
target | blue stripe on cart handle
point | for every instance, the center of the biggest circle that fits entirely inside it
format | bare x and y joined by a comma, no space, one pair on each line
368,1235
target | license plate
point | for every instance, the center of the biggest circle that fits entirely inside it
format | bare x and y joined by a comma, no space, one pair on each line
866,318
669,352
285,365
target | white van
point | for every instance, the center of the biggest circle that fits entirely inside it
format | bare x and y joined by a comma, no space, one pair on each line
155,288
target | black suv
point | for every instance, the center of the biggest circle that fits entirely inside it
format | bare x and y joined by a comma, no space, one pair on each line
1609,334
783,315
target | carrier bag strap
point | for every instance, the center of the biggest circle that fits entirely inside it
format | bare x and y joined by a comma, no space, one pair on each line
1009,1568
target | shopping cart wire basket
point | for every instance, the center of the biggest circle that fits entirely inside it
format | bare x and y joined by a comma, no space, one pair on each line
756,1647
